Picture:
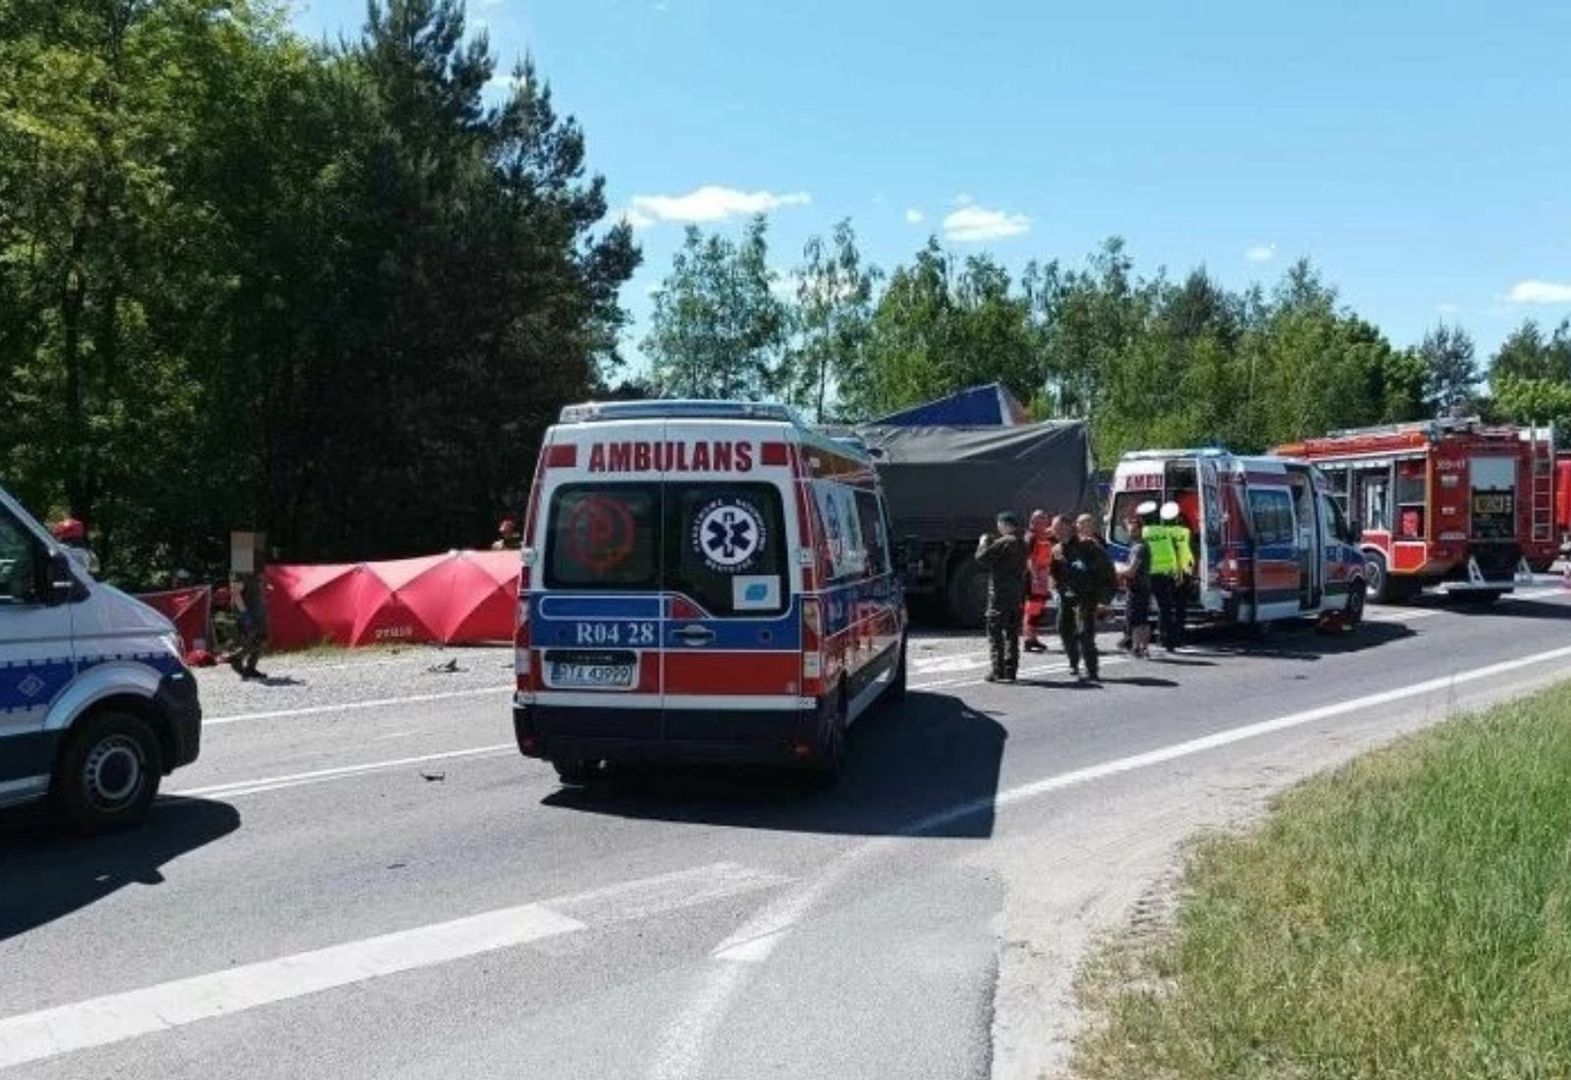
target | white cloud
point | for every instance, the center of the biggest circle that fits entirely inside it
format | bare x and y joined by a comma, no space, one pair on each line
1261,253
915,216
1540,292
637,219
972,224
713,203
504,84
1448,308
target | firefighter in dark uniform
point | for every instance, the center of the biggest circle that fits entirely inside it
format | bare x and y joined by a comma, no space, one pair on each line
1004,557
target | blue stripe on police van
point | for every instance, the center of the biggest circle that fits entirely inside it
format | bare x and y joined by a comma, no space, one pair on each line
26,685
31,684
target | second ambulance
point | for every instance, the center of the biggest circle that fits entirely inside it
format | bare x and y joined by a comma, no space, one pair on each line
702,581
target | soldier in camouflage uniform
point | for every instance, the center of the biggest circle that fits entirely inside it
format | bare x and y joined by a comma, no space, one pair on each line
1004,557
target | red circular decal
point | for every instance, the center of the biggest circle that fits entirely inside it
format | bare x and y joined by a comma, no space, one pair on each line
600,533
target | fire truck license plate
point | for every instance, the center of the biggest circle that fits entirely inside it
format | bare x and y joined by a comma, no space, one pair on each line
591,671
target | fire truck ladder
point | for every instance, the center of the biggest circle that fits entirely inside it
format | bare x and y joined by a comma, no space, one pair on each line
1543,489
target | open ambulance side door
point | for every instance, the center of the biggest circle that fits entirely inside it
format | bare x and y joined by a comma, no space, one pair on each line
1210,534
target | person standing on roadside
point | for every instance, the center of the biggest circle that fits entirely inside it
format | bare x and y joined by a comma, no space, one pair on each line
1183,546
1164,575
1004,557
507,536
250,601
1040,585
1137,589
1084,580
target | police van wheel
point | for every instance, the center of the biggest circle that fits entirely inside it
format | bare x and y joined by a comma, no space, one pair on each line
109,773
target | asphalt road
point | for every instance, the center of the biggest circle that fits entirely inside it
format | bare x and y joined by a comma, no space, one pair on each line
361,877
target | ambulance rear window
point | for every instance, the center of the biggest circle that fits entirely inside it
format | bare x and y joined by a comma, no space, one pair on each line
604,536
726,547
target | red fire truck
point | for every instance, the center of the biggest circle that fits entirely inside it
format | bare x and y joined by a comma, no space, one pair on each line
1453,503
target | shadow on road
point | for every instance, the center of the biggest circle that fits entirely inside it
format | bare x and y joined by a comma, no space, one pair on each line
909,767
1295,642
1517,608
47,871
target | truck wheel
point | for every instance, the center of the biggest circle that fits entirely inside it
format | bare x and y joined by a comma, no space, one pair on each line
1378,579
109,772
966,594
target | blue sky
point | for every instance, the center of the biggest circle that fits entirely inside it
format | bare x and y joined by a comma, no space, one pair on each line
1419,153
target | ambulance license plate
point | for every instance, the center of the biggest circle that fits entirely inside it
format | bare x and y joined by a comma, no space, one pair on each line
591,670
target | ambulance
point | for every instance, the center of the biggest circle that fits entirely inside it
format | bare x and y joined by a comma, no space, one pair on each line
1270,543
96,704
702,581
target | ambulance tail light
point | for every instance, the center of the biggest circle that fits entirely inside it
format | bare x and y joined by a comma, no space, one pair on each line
812,647
523,663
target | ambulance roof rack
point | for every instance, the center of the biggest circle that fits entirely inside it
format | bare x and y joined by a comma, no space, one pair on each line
1155,455
679,408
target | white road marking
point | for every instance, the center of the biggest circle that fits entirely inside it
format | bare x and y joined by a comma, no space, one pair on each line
350,706
685,1045
117,1017
317,776
630,900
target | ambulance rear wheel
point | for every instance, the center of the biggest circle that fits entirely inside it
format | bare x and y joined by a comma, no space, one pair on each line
825,771
897,685
108,774
577,771
1353,614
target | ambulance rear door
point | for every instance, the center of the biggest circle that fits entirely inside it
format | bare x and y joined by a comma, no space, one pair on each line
731,644
597,616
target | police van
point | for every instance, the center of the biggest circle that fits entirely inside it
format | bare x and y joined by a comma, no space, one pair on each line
96,704
702,581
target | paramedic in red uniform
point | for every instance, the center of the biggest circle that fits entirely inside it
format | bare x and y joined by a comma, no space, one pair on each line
1040,583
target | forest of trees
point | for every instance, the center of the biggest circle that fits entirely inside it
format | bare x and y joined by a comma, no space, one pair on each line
1152,361
250,281
336,291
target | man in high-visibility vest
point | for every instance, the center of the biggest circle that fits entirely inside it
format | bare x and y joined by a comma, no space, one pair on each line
1164,575
1183,546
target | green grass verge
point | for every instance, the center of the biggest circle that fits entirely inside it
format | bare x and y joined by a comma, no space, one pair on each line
1406,916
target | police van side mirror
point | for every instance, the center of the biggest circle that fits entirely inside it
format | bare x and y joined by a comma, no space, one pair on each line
63,584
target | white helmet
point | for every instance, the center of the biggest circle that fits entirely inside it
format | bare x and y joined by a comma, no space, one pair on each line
1170,511
1146,509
